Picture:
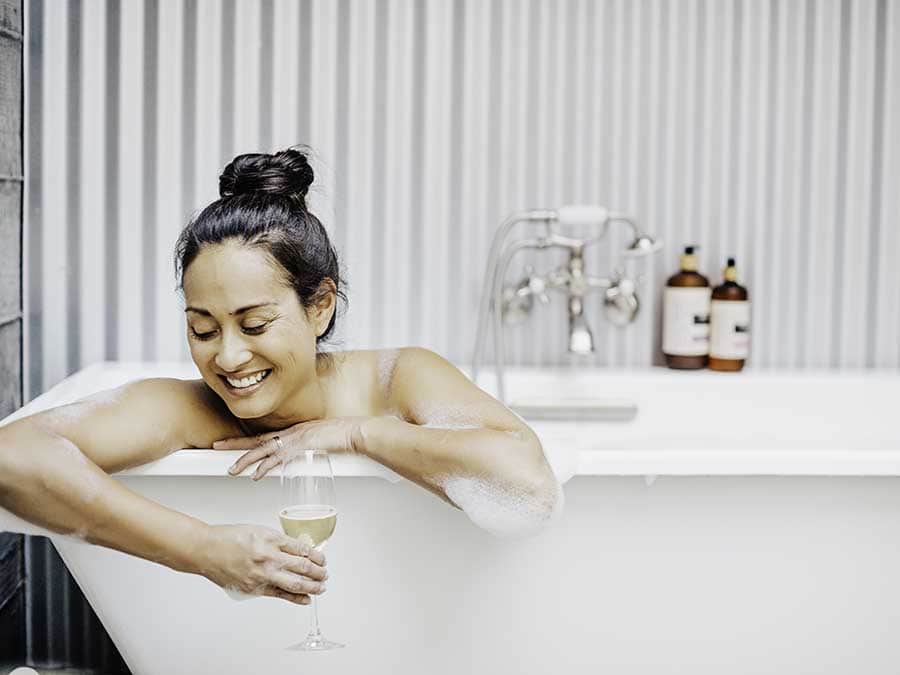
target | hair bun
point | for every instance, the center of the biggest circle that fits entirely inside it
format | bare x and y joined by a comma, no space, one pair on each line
286,173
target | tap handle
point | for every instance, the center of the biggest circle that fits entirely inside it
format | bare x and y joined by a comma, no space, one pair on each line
576,214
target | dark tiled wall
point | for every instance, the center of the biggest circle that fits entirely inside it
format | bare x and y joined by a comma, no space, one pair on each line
12,565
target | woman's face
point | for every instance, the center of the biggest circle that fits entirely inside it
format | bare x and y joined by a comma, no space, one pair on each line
243,322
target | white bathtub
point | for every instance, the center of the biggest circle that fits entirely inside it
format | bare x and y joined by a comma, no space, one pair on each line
745,523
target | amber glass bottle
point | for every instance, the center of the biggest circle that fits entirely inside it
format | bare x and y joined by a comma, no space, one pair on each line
686,316
729,337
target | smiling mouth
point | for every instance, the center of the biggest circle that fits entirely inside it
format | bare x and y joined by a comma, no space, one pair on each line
247,389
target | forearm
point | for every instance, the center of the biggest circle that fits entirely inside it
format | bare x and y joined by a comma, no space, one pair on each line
45,479
434,458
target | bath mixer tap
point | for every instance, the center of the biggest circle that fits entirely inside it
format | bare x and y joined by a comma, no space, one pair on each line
512,304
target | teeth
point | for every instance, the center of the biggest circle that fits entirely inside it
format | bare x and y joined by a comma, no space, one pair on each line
247,381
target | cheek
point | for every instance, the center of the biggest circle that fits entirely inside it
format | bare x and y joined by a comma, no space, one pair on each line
197,351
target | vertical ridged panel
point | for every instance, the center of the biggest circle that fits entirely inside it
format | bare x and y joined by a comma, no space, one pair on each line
91,177
758,129
130,183
54,184
473,181
435,167
169,183
402,162
361,220
321,98
857,209
887,305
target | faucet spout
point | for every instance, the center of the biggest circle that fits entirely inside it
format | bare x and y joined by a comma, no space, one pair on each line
581,340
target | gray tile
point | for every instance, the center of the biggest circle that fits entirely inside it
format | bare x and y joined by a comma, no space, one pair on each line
10,248
10,106
10,368
11,15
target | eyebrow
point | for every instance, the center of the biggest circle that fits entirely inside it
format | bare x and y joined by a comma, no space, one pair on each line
204,312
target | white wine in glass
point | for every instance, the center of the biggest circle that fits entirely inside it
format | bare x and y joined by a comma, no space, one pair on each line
308,511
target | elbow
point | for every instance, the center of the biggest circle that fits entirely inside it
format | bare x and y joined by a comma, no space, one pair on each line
506,510
542,499
548,497
544,487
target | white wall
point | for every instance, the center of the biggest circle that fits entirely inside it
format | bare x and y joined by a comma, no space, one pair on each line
766,130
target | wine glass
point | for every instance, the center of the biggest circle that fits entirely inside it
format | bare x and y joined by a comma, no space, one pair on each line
308,511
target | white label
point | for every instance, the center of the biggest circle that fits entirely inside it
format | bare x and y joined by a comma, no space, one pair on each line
729,336
686,321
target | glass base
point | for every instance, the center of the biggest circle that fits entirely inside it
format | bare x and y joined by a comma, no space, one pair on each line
315,644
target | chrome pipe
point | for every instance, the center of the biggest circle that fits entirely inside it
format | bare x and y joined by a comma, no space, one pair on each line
490,275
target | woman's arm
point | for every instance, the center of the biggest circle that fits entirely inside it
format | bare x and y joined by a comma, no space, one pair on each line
50,480
53,473
463,445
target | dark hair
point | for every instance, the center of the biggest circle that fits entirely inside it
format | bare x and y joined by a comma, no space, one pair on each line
263,204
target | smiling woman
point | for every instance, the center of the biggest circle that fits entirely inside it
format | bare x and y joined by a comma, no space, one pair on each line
261,282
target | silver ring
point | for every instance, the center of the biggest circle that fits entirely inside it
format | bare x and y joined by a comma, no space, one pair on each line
278,442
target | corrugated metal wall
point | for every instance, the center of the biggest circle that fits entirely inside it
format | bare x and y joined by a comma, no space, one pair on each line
769,130
759,129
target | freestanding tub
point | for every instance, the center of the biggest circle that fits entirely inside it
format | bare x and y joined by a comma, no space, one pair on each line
741,523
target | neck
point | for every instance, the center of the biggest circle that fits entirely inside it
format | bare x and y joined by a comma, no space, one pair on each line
310,402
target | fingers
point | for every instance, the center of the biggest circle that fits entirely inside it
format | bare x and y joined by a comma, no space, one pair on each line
270,463
297,547
247,459
237,443
241,442
302,566
296,598
296,584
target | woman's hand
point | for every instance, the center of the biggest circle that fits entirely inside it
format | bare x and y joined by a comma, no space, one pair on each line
337,434
258,560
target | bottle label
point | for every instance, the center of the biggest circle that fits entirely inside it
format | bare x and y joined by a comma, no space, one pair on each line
729,336
686,321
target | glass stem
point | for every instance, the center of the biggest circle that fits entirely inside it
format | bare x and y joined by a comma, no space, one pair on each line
314,631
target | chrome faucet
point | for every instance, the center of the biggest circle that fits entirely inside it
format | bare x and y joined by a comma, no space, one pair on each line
512,304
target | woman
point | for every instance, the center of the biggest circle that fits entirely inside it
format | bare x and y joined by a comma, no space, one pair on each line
260,281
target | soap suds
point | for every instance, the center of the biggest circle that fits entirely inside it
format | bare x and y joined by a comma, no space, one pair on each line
446,416
455,416
387,362
501,511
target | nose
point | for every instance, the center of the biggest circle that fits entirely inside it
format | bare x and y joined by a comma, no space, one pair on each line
233,352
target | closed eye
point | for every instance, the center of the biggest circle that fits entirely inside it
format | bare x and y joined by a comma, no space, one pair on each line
201,336
251,330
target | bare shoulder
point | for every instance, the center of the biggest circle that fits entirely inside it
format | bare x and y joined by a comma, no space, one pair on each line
363,381
426,388
140,421
195,413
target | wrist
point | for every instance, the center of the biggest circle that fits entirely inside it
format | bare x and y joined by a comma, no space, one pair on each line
359,436
198,547
364,440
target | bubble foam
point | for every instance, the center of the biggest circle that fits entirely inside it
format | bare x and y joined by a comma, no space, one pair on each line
387,362
502,511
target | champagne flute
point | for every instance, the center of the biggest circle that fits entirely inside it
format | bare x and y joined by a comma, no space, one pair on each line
308,511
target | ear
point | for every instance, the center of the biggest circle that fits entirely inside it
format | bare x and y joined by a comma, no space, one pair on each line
324,305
